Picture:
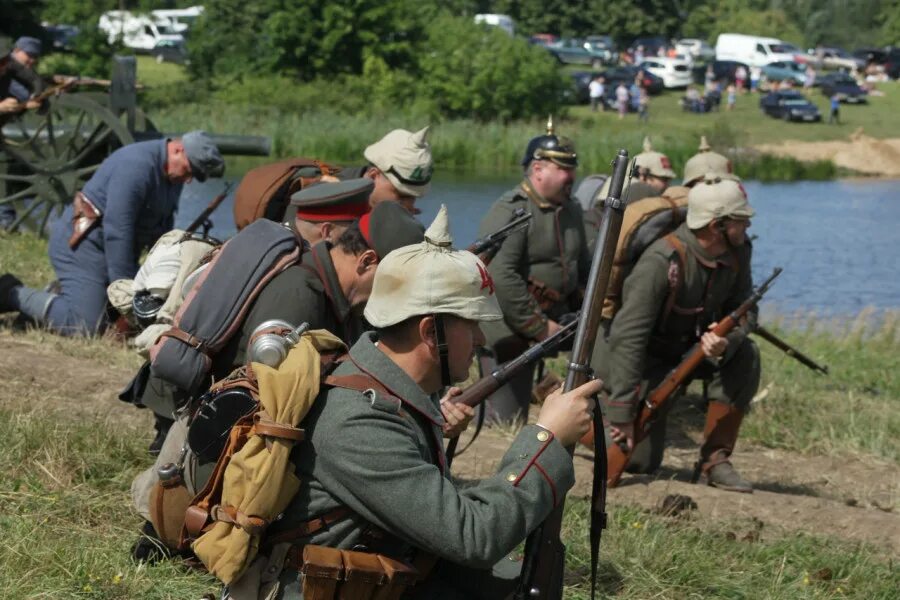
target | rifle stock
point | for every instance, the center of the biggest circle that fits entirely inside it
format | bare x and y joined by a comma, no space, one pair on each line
544,563
617,457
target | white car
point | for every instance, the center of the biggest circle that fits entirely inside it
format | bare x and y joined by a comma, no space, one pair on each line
696,49
675,72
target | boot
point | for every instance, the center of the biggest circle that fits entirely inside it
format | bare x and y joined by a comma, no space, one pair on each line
8,282
149,548
723,422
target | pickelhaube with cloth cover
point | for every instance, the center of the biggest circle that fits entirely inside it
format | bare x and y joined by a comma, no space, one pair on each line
715,197
405,159
342,201
654,163
432,278
557,149
706,161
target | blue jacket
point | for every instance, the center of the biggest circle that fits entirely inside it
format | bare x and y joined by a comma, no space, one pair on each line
137,201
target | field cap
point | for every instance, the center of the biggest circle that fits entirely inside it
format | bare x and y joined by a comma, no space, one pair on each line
389,226
334,202
204,156
30,46
432,278
705,161
655,163
715,197
405,159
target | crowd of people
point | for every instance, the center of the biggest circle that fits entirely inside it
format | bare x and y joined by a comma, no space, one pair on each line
413,311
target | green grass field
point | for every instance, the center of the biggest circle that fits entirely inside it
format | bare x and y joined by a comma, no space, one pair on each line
67,524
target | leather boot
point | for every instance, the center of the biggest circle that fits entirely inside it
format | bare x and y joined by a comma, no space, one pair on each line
8,282
723,422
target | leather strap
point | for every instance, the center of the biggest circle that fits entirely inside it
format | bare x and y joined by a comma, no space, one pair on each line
229,514
309,528
264,425
187,338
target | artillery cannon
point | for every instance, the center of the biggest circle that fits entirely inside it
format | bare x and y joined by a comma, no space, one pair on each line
47,155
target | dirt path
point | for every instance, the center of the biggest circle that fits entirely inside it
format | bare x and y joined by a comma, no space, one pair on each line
861,153
849,498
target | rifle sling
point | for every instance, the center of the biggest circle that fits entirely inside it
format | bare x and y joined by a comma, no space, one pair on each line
598,495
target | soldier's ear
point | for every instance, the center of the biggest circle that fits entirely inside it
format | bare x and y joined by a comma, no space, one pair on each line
365,261
426,331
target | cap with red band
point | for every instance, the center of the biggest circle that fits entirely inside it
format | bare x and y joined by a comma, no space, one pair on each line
341,201
388,227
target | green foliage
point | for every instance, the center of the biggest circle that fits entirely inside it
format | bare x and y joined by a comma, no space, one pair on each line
483,73
890,23
92,55
736,16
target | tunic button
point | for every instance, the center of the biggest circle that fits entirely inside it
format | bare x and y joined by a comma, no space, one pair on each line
511,477
543,435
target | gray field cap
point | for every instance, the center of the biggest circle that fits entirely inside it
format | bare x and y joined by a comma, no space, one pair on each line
432,278
715,197
339,201
205,158
405,159
30,46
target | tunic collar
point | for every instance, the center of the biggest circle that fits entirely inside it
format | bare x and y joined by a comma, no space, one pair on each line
706,259
372,360
528,189
320,259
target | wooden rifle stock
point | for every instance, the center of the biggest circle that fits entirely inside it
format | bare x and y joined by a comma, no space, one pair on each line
209,210
544,563
617,456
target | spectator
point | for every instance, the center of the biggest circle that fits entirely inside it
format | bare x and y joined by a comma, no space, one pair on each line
709,77
755,76
810,80
732,96
740,77
596,89
714,96
835,115
622,100
644,105
639,55
634,94
692,98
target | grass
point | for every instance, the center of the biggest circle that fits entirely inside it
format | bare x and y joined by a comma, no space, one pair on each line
302,124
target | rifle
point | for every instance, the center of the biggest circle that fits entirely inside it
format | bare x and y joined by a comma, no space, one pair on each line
544,562
617,456
487,247
475,394
64,85
203,218
789,350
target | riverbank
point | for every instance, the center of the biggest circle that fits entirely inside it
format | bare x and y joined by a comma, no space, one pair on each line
304,123
822,451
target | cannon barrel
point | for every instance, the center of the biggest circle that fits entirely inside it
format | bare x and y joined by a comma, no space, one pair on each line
244,145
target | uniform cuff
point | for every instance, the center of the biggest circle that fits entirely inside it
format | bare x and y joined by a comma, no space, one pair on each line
536,455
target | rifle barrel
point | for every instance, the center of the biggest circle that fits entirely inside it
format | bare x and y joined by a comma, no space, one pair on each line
789,350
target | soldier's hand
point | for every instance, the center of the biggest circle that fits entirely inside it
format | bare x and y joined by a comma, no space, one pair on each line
32,104
713,345
9,105
457,416
551,328
571,415
622,434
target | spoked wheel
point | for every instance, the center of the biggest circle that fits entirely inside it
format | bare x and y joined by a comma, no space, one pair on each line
48,156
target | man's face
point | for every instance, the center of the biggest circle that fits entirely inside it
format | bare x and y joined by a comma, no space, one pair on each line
736,230
463,336
24,58
385,191
366,265
657,183
178,167
553,181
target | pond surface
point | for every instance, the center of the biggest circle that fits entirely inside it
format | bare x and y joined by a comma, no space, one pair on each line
837,240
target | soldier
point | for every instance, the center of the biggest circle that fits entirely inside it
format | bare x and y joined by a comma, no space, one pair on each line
327,290
395,497
706,161
681,285
321,214
539,273
26,52
129,202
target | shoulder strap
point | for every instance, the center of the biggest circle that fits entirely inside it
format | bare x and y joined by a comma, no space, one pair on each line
676,276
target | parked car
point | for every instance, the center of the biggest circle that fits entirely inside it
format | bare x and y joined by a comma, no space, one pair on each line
574,52
653,83
698,50
869,56
785,70
844,86
503,22
754,50
62,37
650,44
542,39
604,46
723,70
675,72
892,63
172,51
835,58
790,106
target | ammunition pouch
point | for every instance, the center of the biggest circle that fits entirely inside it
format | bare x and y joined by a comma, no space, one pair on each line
545,296
329,573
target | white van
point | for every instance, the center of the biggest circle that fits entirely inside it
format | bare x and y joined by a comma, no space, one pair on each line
753,50
138,32
504,22
178,19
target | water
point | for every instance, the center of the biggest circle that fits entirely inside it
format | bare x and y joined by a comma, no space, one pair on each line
836,240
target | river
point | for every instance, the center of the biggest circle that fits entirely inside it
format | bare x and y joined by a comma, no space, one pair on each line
837,240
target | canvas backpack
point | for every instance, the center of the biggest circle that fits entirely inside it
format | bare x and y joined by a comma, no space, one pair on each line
265,192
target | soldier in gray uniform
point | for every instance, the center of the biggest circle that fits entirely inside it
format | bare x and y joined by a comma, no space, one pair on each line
372,465
658,324
540,272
